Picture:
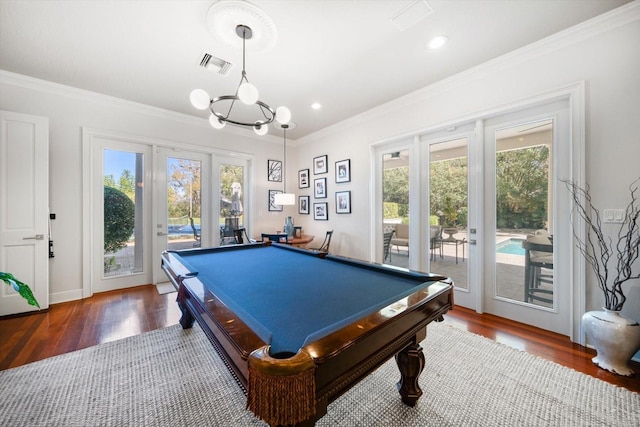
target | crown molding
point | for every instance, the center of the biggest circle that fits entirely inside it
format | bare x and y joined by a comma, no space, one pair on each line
600,24
32,83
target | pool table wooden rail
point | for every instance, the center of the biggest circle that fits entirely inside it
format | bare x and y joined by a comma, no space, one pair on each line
341,358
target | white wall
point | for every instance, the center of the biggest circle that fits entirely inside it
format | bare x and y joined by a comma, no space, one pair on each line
69,110
603,53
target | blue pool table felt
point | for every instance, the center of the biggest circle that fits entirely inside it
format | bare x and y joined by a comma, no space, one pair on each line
290,298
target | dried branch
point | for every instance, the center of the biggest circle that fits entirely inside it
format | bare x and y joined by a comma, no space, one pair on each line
598,249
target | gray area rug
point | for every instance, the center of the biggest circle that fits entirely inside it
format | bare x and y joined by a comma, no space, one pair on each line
173,377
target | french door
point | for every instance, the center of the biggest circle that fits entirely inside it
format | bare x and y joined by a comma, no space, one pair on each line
489,209
183,189
526,155
117,231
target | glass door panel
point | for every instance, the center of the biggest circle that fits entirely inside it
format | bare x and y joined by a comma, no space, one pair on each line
395,205
231,200
184,203
449,208
524,233
123,197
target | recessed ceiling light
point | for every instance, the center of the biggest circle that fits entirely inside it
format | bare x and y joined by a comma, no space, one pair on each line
316,106
438,41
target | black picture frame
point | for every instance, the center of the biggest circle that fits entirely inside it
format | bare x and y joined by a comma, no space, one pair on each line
303,178
343,202
272,206
320,188
303,205
274,170
320,164
343,171
321,211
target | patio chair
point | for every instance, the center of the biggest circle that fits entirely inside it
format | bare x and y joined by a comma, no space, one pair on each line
435,241
386,245
196,234
538,269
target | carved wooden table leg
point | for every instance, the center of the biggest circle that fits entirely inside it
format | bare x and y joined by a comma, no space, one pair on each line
410,363
187,319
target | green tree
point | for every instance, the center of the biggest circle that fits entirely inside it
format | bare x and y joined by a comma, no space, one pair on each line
184,190
448,181
522,178
127,184
119,219
395,189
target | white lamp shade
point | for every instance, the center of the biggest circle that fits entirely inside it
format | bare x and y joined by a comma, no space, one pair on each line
216,122
199,99
284,199
248,93
283,115
262,130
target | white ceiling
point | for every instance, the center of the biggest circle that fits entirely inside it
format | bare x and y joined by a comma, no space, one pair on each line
347,55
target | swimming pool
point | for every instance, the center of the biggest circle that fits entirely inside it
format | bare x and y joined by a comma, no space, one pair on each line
511,246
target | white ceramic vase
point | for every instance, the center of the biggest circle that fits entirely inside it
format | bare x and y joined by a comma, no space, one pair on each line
615,338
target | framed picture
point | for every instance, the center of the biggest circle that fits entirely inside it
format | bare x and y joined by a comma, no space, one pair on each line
274,170
343,171
303,205
320,188
320,165
272,197
343,202
321,211
303,178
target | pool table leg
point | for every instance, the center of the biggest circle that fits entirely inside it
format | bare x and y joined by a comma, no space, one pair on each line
187,319
410,363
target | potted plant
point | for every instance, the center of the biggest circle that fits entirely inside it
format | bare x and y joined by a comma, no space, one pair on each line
20,287
614,262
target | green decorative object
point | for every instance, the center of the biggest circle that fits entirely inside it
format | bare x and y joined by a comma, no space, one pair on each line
20,287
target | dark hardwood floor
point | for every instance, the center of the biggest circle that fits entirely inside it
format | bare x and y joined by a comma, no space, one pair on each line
114,315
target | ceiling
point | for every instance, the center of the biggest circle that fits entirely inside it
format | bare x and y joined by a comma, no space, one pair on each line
347,55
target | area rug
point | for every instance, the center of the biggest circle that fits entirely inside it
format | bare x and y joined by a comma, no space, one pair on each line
173,377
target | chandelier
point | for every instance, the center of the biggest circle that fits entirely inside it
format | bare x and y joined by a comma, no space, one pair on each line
262,114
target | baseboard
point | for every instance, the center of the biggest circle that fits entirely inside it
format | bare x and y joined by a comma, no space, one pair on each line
66,296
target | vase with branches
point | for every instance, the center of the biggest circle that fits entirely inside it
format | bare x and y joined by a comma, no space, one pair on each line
614,263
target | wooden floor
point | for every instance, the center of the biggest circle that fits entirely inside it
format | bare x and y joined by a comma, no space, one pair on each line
114,315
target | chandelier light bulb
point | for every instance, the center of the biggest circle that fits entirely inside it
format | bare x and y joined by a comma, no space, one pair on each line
248,93
215,122
200,99
283,115
261,129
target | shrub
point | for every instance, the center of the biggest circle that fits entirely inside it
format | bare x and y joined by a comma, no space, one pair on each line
119,219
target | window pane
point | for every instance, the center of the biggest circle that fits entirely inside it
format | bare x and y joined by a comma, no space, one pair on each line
231,201
184,203
524,248
123,212
448,177
395,202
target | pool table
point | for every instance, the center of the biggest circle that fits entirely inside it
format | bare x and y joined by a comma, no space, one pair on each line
297,328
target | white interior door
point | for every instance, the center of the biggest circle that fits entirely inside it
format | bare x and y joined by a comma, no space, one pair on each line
24,210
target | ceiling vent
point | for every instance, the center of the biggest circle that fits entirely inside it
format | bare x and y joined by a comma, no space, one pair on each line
217,65
410,15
